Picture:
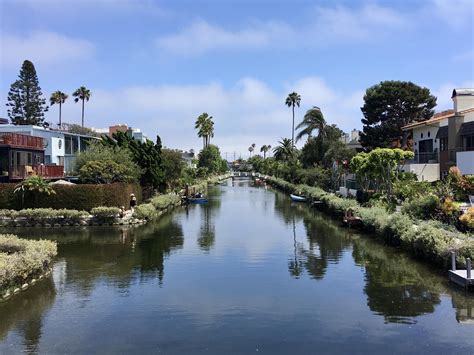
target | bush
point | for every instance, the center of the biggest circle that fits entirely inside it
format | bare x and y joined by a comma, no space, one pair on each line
467,218
105,214
75,197
162,202
107,172
423,207
23,259
145,211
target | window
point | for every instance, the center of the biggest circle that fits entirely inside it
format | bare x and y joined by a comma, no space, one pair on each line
75,144
67,145
469,142
443,144
429,134
29,158
422,135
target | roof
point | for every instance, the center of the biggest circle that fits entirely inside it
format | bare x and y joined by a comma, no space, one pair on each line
436,119
463,92
442,132
467,129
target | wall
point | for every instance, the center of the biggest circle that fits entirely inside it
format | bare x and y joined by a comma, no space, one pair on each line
465,162
424,172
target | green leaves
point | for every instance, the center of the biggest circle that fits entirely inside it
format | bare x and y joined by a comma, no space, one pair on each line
35,184
26,106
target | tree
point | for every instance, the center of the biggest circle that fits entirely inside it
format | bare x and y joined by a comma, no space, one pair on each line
315,148
146,155
264,149
285,151
251,149
210,158
58,97
293,100
26,106
172,164
34,185
390,105
379,167
205,126
83,94
313,120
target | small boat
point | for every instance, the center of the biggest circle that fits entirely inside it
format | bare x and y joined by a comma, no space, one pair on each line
197,200
296,198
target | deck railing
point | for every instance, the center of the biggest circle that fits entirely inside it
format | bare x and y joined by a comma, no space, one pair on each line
45,171
21,141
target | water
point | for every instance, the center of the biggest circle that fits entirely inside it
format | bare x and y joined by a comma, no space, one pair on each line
249,272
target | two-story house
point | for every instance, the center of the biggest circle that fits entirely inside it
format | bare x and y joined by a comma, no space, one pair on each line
445,140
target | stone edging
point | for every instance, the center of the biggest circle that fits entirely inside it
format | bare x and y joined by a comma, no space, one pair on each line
16,290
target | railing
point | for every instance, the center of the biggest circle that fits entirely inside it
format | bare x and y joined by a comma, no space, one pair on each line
424,158
45,171
21,141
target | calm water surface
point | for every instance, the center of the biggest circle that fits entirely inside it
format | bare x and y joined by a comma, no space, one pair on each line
249,272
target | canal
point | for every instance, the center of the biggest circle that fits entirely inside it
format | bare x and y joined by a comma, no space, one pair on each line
249,272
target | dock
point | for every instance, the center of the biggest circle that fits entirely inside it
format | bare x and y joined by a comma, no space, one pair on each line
462,278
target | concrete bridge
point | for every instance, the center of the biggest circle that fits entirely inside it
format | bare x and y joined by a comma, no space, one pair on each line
245,174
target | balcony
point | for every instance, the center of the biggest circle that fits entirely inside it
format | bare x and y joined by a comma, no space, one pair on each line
23,141
424,158
21,172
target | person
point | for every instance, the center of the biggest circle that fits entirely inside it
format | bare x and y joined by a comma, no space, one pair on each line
122,211
133,202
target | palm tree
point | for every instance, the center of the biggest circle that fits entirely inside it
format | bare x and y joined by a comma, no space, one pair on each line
313,119
205,126
82,94
265,149
285,150
293,100
58,97
251,149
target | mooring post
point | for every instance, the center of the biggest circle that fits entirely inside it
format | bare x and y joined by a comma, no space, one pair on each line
468,268
453,261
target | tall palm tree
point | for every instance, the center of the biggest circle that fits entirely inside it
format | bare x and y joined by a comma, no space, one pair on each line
58,97
250,151
82,94
313,119
205,126
285,150
293,100
264,149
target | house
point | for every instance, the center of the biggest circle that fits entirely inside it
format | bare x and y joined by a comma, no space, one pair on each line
24,155
188,158
136,133
445,140
60,147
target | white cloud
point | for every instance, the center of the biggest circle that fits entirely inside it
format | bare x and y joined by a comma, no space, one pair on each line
247,112
329,25
43,48
455,13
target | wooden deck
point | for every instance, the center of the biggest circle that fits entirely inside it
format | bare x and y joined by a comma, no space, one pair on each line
459,277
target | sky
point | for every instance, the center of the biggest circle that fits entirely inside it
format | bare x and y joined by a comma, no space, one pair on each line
157,65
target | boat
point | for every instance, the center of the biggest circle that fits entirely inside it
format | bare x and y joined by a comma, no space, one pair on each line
296,198
197,200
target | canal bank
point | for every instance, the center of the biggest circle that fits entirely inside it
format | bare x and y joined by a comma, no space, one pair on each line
424,239
250,270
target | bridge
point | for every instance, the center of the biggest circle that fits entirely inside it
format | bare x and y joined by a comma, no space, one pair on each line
245,174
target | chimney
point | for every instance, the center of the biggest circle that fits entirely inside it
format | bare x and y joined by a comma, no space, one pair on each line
463,99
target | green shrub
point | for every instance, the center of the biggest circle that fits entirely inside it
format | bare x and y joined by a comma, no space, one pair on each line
423,207
162,202
145,211
105,214
107,172
27,259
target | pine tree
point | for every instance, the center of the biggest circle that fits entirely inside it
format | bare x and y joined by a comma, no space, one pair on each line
26,106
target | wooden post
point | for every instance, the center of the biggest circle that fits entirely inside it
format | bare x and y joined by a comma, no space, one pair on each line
453,261
468,267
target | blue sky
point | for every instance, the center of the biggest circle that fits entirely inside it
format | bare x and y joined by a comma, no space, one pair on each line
156,65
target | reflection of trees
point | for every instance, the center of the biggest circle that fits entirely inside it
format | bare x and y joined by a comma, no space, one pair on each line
207,233
25,312
326,242
397,287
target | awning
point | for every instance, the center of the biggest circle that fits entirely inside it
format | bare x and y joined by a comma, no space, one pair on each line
467,129
442,132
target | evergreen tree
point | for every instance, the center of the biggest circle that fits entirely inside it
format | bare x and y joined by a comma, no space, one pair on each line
26,106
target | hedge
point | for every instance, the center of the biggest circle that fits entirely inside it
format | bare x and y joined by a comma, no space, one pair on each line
429,240
77,197
22,259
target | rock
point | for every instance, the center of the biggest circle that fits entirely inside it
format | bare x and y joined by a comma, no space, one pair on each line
56,225
24,286
7,295
16,290
33,281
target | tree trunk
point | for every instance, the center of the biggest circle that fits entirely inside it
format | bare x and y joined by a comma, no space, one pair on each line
293,128
59,115
83,113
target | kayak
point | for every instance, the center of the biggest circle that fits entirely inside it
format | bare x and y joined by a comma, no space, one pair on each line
297,198
197,200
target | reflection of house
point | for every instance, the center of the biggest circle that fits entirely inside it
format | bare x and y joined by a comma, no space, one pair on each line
445,140
60,147
22,156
